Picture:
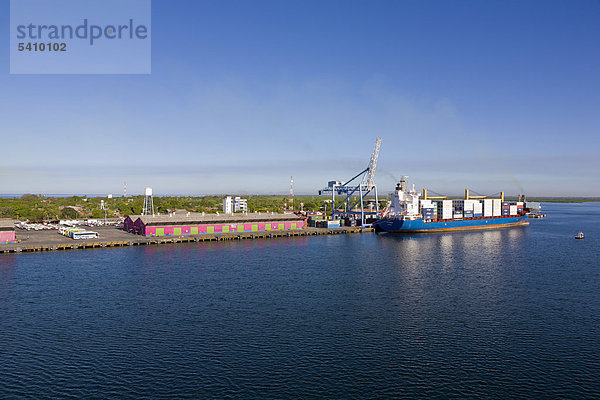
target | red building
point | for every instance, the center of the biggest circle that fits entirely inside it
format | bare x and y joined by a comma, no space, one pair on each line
197,224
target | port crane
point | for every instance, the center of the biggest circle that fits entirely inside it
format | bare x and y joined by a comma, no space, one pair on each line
362,184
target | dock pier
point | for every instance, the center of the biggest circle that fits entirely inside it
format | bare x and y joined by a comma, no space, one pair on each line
61,243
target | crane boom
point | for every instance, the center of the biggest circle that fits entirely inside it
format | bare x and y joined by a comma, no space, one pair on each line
373,165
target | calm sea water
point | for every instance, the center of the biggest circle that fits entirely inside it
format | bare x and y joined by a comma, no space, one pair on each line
496,314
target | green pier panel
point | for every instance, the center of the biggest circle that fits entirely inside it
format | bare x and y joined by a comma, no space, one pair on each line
240,228
254,228
177,231
194,230
160,231
225,228
293,225
210,229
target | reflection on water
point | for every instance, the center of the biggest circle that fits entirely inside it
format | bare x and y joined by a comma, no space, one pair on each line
487,314
8,264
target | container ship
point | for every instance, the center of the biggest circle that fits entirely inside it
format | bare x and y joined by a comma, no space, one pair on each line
409,213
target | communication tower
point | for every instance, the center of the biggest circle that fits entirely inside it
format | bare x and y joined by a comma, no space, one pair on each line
148,203
124,188
291,203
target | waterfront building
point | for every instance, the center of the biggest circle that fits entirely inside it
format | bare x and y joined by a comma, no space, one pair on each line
232,205
7,231
196,224
240,204
129,223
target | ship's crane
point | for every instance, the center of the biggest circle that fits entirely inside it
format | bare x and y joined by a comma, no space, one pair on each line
468,195
350,188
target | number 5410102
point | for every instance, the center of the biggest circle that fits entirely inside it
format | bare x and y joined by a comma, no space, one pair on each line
42,46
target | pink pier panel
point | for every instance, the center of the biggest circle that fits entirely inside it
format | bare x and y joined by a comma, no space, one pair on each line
7,237
219,228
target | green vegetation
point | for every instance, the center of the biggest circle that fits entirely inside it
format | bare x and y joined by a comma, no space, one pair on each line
37,208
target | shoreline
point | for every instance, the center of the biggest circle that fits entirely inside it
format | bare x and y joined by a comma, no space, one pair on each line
62,243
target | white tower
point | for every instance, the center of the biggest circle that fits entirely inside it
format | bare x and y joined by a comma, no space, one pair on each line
148,203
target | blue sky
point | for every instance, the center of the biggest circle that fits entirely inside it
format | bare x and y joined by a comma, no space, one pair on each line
491,95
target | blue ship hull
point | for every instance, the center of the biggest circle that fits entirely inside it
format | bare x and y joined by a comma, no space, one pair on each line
419,226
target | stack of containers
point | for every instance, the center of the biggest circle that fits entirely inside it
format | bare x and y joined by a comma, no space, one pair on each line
477,209
488,204
513,209
334,223
427,209
426,203
505,209
445,209
435,210
496,208
428,214
520,206
349,222
314,219
458,205
469,208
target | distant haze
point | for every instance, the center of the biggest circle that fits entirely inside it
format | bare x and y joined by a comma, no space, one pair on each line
487,95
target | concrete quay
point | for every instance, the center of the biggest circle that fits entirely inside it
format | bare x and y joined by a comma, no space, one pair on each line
51,240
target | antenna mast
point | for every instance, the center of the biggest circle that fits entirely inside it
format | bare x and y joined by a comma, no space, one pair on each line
291,205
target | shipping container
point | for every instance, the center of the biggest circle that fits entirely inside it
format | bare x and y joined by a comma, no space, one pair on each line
426,203
513,210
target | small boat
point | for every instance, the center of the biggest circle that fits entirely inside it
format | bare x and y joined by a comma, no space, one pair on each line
579,235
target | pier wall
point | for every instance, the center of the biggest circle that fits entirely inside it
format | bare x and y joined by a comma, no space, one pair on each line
52,241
